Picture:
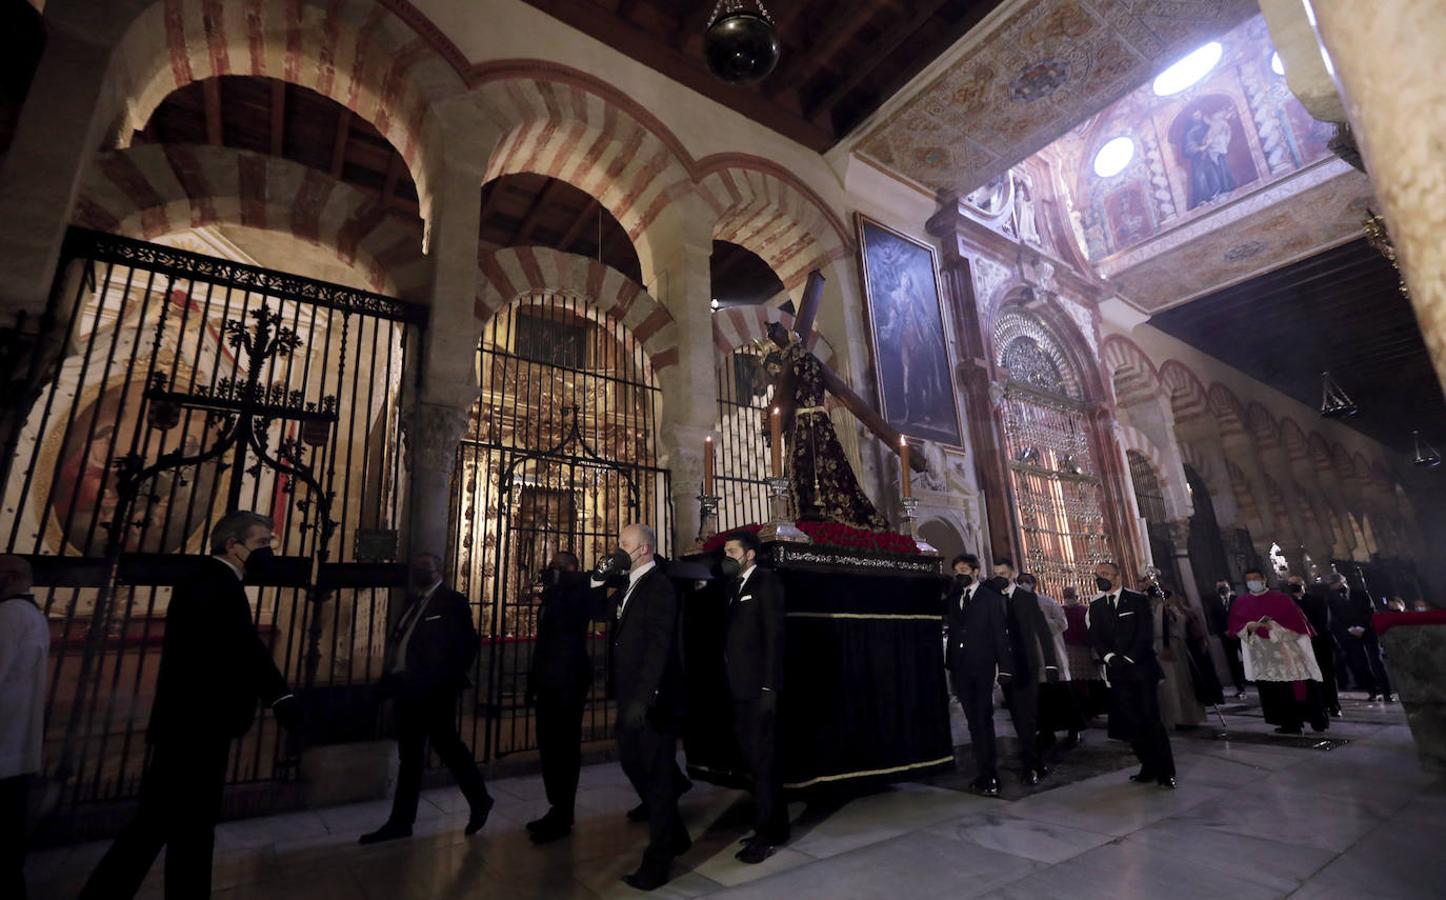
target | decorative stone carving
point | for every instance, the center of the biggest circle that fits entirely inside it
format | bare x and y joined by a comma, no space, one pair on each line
432,431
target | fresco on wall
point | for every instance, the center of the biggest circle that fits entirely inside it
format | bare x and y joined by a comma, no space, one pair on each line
1232,133
1212,149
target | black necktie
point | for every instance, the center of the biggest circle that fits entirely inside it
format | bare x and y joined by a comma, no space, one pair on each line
965,598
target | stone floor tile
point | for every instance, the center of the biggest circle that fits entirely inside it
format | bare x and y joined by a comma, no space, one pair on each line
1040,841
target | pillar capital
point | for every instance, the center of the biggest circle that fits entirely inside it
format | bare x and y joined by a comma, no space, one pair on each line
432,431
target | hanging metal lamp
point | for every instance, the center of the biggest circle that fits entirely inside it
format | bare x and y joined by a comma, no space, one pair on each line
1427,457
1335,404
741,42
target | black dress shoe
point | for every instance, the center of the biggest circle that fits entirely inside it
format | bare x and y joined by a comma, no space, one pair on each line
646,879
550,819
1370,698
755,853
1167,783
1030,777
387,832
551,829
1390,698
1142,777
1073,741
987,785
638,813
1043,771
1288,729
478,818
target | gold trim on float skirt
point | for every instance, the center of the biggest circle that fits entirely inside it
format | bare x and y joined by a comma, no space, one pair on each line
868,772
817,615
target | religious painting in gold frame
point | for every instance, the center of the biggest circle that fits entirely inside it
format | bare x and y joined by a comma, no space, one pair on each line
912,362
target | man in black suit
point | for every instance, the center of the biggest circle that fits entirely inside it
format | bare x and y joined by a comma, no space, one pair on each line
978,655
429,651
647,677
1217,617
1352,610
557,684
214,667
1121,627
753,659
1313,601
1032,644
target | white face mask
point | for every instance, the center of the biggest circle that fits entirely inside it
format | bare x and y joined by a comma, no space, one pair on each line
1255,587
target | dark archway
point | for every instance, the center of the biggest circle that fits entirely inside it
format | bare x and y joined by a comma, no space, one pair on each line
1207,550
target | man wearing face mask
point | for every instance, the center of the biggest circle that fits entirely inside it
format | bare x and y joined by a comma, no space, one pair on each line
1313,601
753,660
429,651
24,658
647,680
1353,613
979,655
1275,635
214,667
1217,617
1121,627
557,684
1034,661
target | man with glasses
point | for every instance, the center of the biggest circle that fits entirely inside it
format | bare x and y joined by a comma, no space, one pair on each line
214,667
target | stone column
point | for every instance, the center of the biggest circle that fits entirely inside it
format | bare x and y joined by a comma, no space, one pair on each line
690,387
447,379
61,127
1387,60
1180,545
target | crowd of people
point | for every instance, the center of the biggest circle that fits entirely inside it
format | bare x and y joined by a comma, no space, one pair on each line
1147,658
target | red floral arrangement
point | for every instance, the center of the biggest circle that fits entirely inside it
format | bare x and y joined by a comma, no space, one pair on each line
835,534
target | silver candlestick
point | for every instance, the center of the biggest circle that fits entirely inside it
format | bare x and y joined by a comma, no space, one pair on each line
780,526
707,518
911,517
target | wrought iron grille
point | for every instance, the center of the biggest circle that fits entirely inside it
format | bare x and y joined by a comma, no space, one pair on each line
745,394
560,455
133,311
1056,486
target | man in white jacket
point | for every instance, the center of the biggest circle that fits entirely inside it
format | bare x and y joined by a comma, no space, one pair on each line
24,647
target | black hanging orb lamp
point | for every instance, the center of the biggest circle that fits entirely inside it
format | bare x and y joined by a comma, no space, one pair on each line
1427,457
1335,403
741,42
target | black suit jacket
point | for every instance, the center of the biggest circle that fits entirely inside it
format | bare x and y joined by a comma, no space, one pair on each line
1317,609
1350,611
647,663
442,647
1128,631
559,656
214,666
753,645
1029,635
978,633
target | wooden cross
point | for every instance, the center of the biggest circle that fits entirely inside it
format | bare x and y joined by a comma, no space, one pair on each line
783,387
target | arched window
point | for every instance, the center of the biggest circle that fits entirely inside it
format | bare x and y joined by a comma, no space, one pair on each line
1054,477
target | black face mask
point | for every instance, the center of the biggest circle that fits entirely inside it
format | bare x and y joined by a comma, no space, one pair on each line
1223,591
1102,583
1295,588
258,562
423,578
727,567
998,582
963,579
622,560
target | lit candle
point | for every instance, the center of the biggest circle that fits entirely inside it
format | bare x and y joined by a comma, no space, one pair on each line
708,466
906,482
775,430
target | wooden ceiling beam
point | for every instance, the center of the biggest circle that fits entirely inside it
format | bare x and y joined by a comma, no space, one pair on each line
278,117
211,91
691,25
843,24
339,142
534,213
588,216
892,39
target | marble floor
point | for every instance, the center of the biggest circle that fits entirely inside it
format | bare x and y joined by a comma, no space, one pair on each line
1249,820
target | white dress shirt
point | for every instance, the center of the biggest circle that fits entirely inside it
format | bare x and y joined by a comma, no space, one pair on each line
419,606
633,576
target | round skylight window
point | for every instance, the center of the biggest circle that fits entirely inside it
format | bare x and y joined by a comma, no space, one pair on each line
1114,156
1276,65
1188,70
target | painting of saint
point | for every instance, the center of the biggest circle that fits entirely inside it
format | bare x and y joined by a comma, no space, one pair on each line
911,354
1128,216
85,495
1211,143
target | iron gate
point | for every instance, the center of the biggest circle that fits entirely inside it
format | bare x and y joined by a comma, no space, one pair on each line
138,317
560,455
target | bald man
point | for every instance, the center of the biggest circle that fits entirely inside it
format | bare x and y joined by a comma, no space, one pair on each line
648,684
24,648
